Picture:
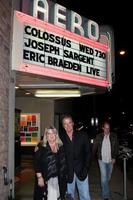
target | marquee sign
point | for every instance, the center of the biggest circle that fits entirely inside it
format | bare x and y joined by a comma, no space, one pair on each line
46,49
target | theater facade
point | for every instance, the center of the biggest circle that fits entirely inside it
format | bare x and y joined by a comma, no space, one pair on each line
48,53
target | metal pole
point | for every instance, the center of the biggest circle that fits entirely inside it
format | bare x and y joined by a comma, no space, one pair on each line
125,180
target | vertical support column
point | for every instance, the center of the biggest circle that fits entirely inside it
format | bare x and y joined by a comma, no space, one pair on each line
5,41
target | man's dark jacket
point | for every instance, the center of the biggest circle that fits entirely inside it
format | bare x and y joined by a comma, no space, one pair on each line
97,146
77,154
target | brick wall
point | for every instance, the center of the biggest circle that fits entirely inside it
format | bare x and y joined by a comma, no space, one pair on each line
5,27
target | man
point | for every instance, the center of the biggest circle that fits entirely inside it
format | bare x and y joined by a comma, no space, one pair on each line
106,148
77,150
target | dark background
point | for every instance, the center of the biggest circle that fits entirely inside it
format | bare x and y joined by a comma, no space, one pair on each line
116,104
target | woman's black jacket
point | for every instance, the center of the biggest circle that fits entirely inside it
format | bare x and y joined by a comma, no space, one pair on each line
50,165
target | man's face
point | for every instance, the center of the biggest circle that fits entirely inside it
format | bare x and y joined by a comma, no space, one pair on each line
106,128
68,125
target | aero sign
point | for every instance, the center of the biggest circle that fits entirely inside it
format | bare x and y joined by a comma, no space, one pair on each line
40,47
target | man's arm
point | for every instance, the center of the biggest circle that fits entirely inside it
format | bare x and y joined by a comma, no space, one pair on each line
87,150
95,146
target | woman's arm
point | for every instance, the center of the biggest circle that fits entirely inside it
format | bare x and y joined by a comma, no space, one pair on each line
38,168
40,179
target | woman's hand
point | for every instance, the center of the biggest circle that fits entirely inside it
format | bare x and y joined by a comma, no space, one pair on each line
36,148
41,181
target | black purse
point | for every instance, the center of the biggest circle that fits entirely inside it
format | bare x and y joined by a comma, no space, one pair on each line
68,197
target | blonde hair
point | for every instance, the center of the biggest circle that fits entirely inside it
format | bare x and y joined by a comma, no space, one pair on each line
58,140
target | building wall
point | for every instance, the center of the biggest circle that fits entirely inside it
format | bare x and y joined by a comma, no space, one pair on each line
5,27
34,105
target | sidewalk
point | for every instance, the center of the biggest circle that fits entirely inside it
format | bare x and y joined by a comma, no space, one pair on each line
25,183
116,184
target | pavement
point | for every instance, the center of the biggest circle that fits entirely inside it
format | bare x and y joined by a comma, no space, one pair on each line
24,184
116,184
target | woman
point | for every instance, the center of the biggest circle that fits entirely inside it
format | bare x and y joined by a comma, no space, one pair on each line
50,168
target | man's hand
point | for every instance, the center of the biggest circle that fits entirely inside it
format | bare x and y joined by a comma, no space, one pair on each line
113,161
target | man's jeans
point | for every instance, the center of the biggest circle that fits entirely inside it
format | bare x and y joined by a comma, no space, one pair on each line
83,188
106,171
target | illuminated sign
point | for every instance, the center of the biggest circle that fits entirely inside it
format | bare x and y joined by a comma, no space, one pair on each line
62,17
42,48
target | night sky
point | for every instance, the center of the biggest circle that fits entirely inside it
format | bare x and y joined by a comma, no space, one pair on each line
119,17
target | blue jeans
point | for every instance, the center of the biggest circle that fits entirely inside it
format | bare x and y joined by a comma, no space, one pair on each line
106,171
83,188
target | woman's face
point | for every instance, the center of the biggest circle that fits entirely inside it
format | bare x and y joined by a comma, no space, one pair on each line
51,136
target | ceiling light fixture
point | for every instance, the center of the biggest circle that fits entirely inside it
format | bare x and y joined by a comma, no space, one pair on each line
58,93
27,93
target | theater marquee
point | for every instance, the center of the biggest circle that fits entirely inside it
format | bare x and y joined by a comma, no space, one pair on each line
42,48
